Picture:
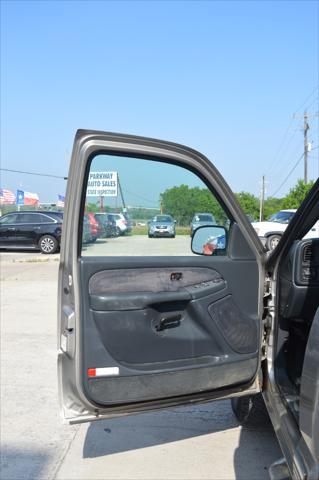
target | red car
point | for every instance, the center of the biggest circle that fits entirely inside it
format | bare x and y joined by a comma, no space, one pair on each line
95,226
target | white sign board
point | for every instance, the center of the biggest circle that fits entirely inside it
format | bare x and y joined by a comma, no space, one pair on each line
102,184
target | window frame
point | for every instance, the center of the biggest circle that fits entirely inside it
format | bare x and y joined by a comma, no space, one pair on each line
153,158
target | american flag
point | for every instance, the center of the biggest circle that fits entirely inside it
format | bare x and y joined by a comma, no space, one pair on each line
60,202
7,197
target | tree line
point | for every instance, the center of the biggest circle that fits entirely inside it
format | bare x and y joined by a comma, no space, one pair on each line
183,202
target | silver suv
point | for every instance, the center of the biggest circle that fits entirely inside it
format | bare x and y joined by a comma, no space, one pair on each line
201,219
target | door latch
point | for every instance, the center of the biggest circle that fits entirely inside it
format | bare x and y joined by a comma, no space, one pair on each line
176,276
168,322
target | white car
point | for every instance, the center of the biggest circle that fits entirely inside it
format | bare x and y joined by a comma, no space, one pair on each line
122,224
270,231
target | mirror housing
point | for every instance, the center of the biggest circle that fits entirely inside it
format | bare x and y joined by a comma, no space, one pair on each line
208,240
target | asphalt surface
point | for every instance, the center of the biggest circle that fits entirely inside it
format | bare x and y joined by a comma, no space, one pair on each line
136,245
197,442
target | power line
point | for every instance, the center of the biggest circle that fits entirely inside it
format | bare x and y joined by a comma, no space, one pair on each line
279,160
284,138
33,173
139,196
281,170
314,101
291,171
309,96
282,143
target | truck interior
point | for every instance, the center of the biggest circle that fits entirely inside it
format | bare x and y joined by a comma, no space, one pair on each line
298,297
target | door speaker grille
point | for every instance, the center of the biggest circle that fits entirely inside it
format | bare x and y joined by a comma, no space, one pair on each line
239,330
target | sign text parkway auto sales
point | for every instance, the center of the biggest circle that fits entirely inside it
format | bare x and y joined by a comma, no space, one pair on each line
102,184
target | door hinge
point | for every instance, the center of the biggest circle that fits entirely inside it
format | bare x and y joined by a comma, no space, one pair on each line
266,318
67,341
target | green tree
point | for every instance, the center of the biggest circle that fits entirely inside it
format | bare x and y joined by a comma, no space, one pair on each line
272,205
143,213
183,202
95,208
249,203
297,194
92,207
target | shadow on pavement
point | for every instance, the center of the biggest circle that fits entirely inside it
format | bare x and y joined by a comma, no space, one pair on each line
18,464
256,450
155,428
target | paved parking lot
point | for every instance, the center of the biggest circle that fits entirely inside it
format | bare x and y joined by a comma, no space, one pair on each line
140,245
198,442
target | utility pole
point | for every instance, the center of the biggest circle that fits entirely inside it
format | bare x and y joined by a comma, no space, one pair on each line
121,193
101,203
306,145
305,134
262,199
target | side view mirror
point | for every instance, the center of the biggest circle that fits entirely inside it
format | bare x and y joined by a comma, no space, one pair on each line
207,240
175,221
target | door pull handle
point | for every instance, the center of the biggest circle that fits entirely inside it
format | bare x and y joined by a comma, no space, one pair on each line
168,322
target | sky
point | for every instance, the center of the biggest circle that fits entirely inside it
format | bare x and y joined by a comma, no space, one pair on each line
142,181
224,78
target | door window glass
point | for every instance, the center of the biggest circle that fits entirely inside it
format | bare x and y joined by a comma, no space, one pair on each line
147,207
314,231
29,218
44,218
9,219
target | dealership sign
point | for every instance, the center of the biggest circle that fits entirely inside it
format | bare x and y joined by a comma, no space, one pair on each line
102,184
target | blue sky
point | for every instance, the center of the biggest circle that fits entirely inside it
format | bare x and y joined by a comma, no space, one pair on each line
222,77
142,181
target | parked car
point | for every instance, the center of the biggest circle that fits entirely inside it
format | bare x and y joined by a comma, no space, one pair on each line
35,230
122,225
86,233
144,332
270,231
96,228
162,226
108,223
129,222
201,219
250,217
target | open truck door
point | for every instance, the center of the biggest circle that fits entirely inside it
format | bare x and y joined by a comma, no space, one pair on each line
151,323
